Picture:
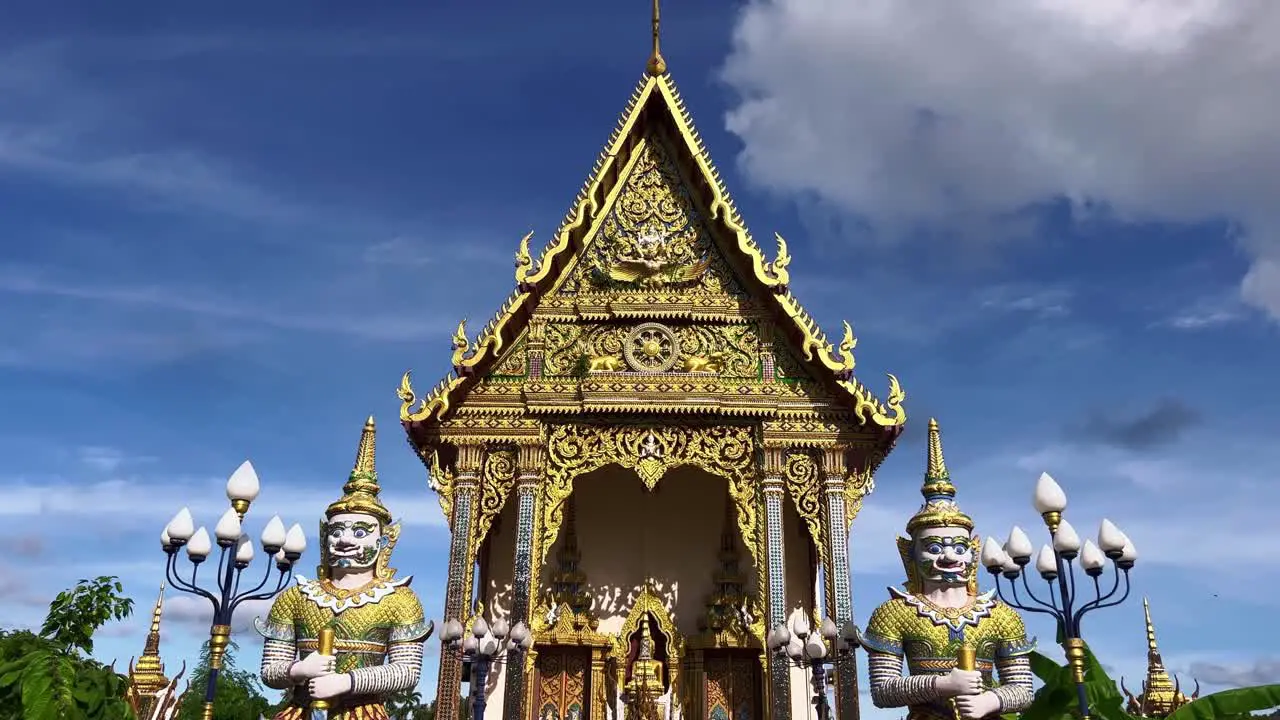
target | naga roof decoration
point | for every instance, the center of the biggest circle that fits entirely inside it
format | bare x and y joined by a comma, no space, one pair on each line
653,235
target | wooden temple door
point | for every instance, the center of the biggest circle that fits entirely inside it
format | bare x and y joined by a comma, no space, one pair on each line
563,689
732,690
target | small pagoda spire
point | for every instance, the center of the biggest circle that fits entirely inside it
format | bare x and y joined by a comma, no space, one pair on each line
656,65
1157,676
723,608
146,675
1161,694
569,584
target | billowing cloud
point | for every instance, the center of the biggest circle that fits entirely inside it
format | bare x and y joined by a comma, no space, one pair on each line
1162,423
952,115
1264,671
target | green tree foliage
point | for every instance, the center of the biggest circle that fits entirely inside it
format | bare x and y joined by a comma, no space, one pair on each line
49,675
239,694
1056,700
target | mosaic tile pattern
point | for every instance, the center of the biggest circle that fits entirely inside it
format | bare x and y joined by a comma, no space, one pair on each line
841,598
780,690
448,689
526,499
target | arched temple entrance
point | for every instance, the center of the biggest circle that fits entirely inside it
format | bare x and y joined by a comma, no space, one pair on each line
650,439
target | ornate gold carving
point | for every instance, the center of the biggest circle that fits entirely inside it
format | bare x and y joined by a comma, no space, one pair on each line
858,484
651,348
727,621
567,628
514,363
524,261
711,363
461,346
573,450
804,484
648,603
441,481
736,346
603,363
652,236
496,480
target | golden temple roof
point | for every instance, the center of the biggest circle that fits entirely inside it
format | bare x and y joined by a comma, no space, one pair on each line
1161,694
150,694
655,109
146,675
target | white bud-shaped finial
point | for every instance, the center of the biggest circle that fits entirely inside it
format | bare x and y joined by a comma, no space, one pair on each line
1048,496
199,546
181,527
1047,563
243,484
1066,540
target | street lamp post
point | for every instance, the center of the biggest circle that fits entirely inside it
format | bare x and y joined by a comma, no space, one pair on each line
1054,562
236,555
488,644
801,647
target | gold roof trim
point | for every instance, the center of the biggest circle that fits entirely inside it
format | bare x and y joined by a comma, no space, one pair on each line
535,277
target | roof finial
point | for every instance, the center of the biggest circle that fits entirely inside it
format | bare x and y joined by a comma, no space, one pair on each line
657,65
1153,650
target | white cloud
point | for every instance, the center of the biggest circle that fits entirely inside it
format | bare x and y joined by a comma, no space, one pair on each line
197,613
947,114
139,502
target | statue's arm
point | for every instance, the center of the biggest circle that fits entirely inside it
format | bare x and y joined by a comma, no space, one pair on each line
1016,690
883,641
401,671
1013,663
889,689
279,645
277,657
403,667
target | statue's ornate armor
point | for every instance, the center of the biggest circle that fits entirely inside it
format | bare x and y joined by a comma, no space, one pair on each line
379,628
908,627
928,638
379,634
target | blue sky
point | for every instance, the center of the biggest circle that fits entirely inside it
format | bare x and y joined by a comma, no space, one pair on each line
227,233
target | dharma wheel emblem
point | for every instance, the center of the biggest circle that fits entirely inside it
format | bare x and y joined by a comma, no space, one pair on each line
650,348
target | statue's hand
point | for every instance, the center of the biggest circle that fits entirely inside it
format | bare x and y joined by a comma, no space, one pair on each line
327,686
973,707
960,682
313,665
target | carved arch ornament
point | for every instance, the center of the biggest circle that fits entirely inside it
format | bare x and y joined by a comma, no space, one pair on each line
497,478
648,602
726,451
804,484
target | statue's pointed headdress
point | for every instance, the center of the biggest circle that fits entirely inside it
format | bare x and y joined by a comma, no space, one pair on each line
938,511
939,508
360,493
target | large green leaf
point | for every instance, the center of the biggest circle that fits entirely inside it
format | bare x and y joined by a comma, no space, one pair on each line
1229,702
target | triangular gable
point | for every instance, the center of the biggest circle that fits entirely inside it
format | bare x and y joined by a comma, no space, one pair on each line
655,116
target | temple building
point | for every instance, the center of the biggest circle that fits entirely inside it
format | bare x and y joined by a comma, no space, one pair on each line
1160,694
651,454
150,694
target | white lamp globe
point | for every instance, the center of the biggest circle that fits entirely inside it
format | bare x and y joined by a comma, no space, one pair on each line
199,546
1048,496
243,484
1066,540
182,526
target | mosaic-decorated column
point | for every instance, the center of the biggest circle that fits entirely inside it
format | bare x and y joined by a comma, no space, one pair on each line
839,595
530,470
457,597
775,492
